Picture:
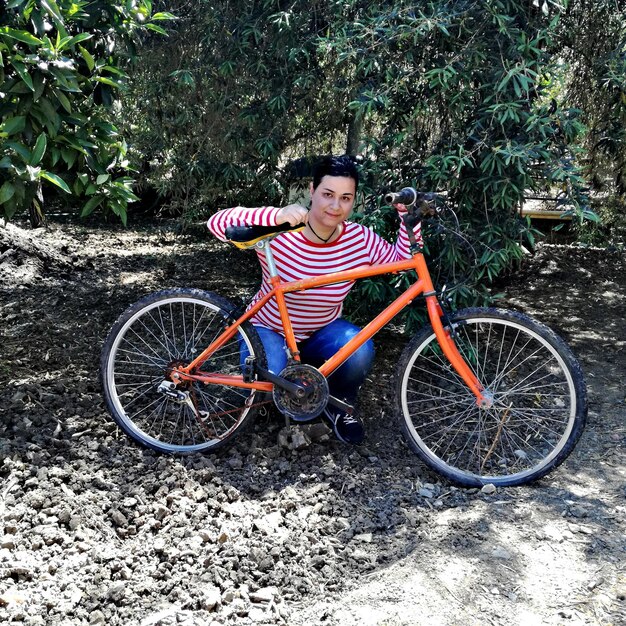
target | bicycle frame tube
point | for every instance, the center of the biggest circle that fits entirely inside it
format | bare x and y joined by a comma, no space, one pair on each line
279,289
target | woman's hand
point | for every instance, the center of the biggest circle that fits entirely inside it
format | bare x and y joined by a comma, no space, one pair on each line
293,213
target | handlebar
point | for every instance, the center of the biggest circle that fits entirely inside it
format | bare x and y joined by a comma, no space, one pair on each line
406,196
423,202
246,236
420,204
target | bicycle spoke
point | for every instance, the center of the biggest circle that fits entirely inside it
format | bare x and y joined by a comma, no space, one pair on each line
531,394
159,336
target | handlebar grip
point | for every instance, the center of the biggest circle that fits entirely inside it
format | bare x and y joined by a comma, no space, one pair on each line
406,196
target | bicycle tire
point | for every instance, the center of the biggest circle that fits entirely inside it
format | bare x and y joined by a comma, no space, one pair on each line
539,400
174,326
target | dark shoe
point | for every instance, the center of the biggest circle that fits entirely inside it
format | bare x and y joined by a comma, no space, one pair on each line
347,428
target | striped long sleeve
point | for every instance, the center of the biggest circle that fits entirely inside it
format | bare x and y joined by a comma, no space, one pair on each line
298,258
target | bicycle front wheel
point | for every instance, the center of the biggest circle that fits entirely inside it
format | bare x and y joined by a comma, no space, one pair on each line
171,328
539,403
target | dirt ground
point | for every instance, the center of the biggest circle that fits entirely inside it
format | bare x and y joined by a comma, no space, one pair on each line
95,530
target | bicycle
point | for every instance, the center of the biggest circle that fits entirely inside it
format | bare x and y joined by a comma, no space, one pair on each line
483,395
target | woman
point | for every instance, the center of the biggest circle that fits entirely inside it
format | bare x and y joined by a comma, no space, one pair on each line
328,243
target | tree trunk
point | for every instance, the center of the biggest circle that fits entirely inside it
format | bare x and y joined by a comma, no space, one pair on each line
35,211
16,242
353,139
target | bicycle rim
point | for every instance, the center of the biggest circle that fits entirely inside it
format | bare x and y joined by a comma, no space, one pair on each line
164,332
538,401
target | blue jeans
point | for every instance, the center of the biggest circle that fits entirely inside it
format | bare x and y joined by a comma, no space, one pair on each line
345,381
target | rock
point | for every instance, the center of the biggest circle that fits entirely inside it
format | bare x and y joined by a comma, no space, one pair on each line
316,432
488,489
299,440
257,615
49,534
228,596
500,553
364,537
361,555
7,542
578,511
293,438
97,618
265,594
426,493
210,597
206,535
159,545
270,523
161,512
118,518
116,592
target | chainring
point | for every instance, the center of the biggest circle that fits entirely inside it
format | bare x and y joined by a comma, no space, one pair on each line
311,405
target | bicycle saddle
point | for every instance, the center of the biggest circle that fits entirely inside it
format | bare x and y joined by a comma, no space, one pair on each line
245,237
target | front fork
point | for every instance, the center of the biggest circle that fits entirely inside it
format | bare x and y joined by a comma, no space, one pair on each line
446,336
440,321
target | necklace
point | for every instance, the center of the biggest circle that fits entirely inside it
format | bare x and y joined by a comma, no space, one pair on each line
322,238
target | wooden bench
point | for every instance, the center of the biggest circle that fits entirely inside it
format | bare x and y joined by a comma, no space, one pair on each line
545,214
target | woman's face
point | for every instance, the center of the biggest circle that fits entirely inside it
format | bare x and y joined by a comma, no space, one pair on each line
332,200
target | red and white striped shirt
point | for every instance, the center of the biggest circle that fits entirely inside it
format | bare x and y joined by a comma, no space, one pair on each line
297,258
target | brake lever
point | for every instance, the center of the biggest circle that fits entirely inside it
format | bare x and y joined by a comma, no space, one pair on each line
426,204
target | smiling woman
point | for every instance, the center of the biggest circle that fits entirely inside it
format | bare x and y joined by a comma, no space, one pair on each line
327,243
331,203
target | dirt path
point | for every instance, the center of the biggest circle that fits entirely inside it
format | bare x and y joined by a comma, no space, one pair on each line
95,530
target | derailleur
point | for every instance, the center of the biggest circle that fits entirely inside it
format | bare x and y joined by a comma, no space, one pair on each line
169,389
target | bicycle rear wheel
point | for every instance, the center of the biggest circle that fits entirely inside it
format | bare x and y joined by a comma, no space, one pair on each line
170,328
539,400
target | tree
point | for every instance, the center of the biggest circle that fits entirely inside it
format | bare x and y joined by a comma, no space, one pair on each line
592,37
62,65
452,96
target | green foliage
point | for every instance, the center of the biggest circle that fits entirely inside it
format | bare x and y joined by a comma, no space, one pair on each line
609,229
62,65
592,77
450,96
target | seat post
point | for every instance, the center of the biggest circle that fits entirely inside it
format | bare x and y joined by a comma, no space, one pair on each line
264,245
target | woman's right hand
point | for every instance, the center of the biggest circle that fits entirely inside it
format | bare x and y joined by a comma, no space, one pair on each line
293,213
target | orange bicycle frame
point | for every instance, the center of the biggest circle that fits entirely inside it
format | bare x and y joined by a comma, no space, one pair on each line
423,286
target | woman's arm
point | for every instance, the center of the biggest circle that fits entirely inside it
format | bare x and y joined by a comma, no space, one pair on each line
263,216
241,216
381,251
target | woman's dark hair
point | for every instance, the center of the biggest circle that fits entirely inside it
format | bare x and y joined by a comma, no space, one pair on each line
335,166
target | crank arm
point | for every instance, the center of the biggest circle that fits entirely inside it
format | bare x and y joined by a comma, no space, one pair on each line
340,404
298,390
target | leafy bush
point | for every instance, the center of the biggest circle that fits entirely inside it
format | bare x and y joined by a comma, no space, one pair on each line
448,96
62,65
